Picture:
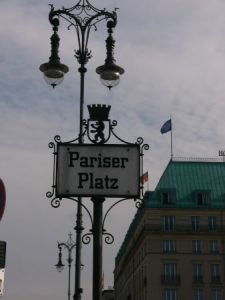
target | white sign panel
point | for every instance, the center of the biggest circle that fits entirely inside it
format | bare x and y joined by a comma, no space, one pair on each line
98,170
2,277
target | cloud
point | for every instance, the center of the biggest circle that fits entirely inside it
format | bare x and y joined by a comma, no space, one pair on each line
173,55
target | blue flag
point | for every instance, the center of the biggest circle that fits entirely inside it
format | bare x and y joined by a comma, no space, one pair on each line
167,126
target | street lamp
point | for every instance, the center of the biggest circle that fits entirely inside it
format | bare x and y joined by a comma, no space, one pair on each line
69,246
60,266
54,70
110,72
83,17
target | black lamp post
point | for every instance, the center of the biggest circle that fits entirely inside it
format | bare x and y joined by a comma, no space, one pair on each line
83,17
69,246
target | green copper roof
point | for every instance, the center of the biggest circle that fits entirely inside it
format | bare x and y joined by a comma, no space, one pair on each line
184,179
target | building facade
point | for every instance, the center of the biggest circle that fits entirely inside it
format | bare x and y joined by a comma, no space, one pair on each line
174,248
108,294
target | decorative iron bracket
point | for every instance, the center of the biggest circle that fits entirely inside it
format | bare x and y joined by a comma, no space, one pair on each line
97,130
83,16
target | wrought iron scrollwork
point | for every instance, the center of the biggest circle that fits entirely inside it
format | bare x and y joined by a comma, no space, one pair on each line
98,129
120,139
85,208
57,139
82,12
113,124
83,16
138,203
86,238
90,125
56,202
52,145
51,193
145,147
139,141
109,238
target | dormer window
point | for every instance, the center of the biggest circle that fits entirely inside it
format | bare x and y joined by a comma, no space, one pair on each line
168,197
202,197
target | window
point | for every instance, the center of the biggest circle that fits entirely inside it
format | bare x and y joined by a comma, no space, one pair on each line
168,196
216,294
202,197
195,220
170,271
196,246
170,294
197,272
213,246
215,272
169,223
212,223
198,294
169,246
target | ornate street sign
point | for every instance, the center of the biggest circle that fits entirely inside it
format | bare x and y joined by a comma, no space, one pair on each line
98,170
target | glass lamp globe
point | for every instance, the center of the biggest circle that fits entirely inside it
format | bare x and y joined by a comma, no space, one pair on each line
59,266
53,77
54,73
110,79
110,74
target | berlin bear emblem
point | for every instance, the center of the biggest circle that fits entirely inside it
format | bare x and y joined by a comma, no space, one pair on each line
98,124
97,131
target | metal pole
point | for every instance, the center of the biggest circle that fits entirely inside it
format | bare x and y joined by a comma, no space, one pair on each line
85,17
79,228
69,246
97,247
69,267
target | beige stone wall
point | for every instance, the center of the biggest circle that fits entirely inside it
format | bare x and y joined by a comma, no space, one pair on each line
139,273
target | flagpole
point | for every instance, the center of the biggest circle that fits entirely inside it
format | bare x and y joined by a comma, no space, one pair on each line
171,137
147,184
167,126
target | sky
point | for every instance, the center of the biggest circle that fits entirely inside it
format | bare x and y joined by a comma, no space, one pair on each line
173,53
